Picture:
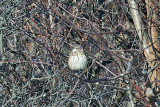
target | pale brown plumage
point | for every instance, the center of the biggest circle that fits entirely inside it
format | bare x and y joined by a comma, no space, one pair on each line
77,59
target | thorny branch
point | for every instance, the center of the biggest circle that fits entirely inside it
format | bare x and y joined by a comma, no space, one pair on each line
35,40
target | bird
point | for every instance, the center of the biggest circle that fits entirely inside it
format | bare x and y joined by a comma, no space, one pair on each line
77,59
